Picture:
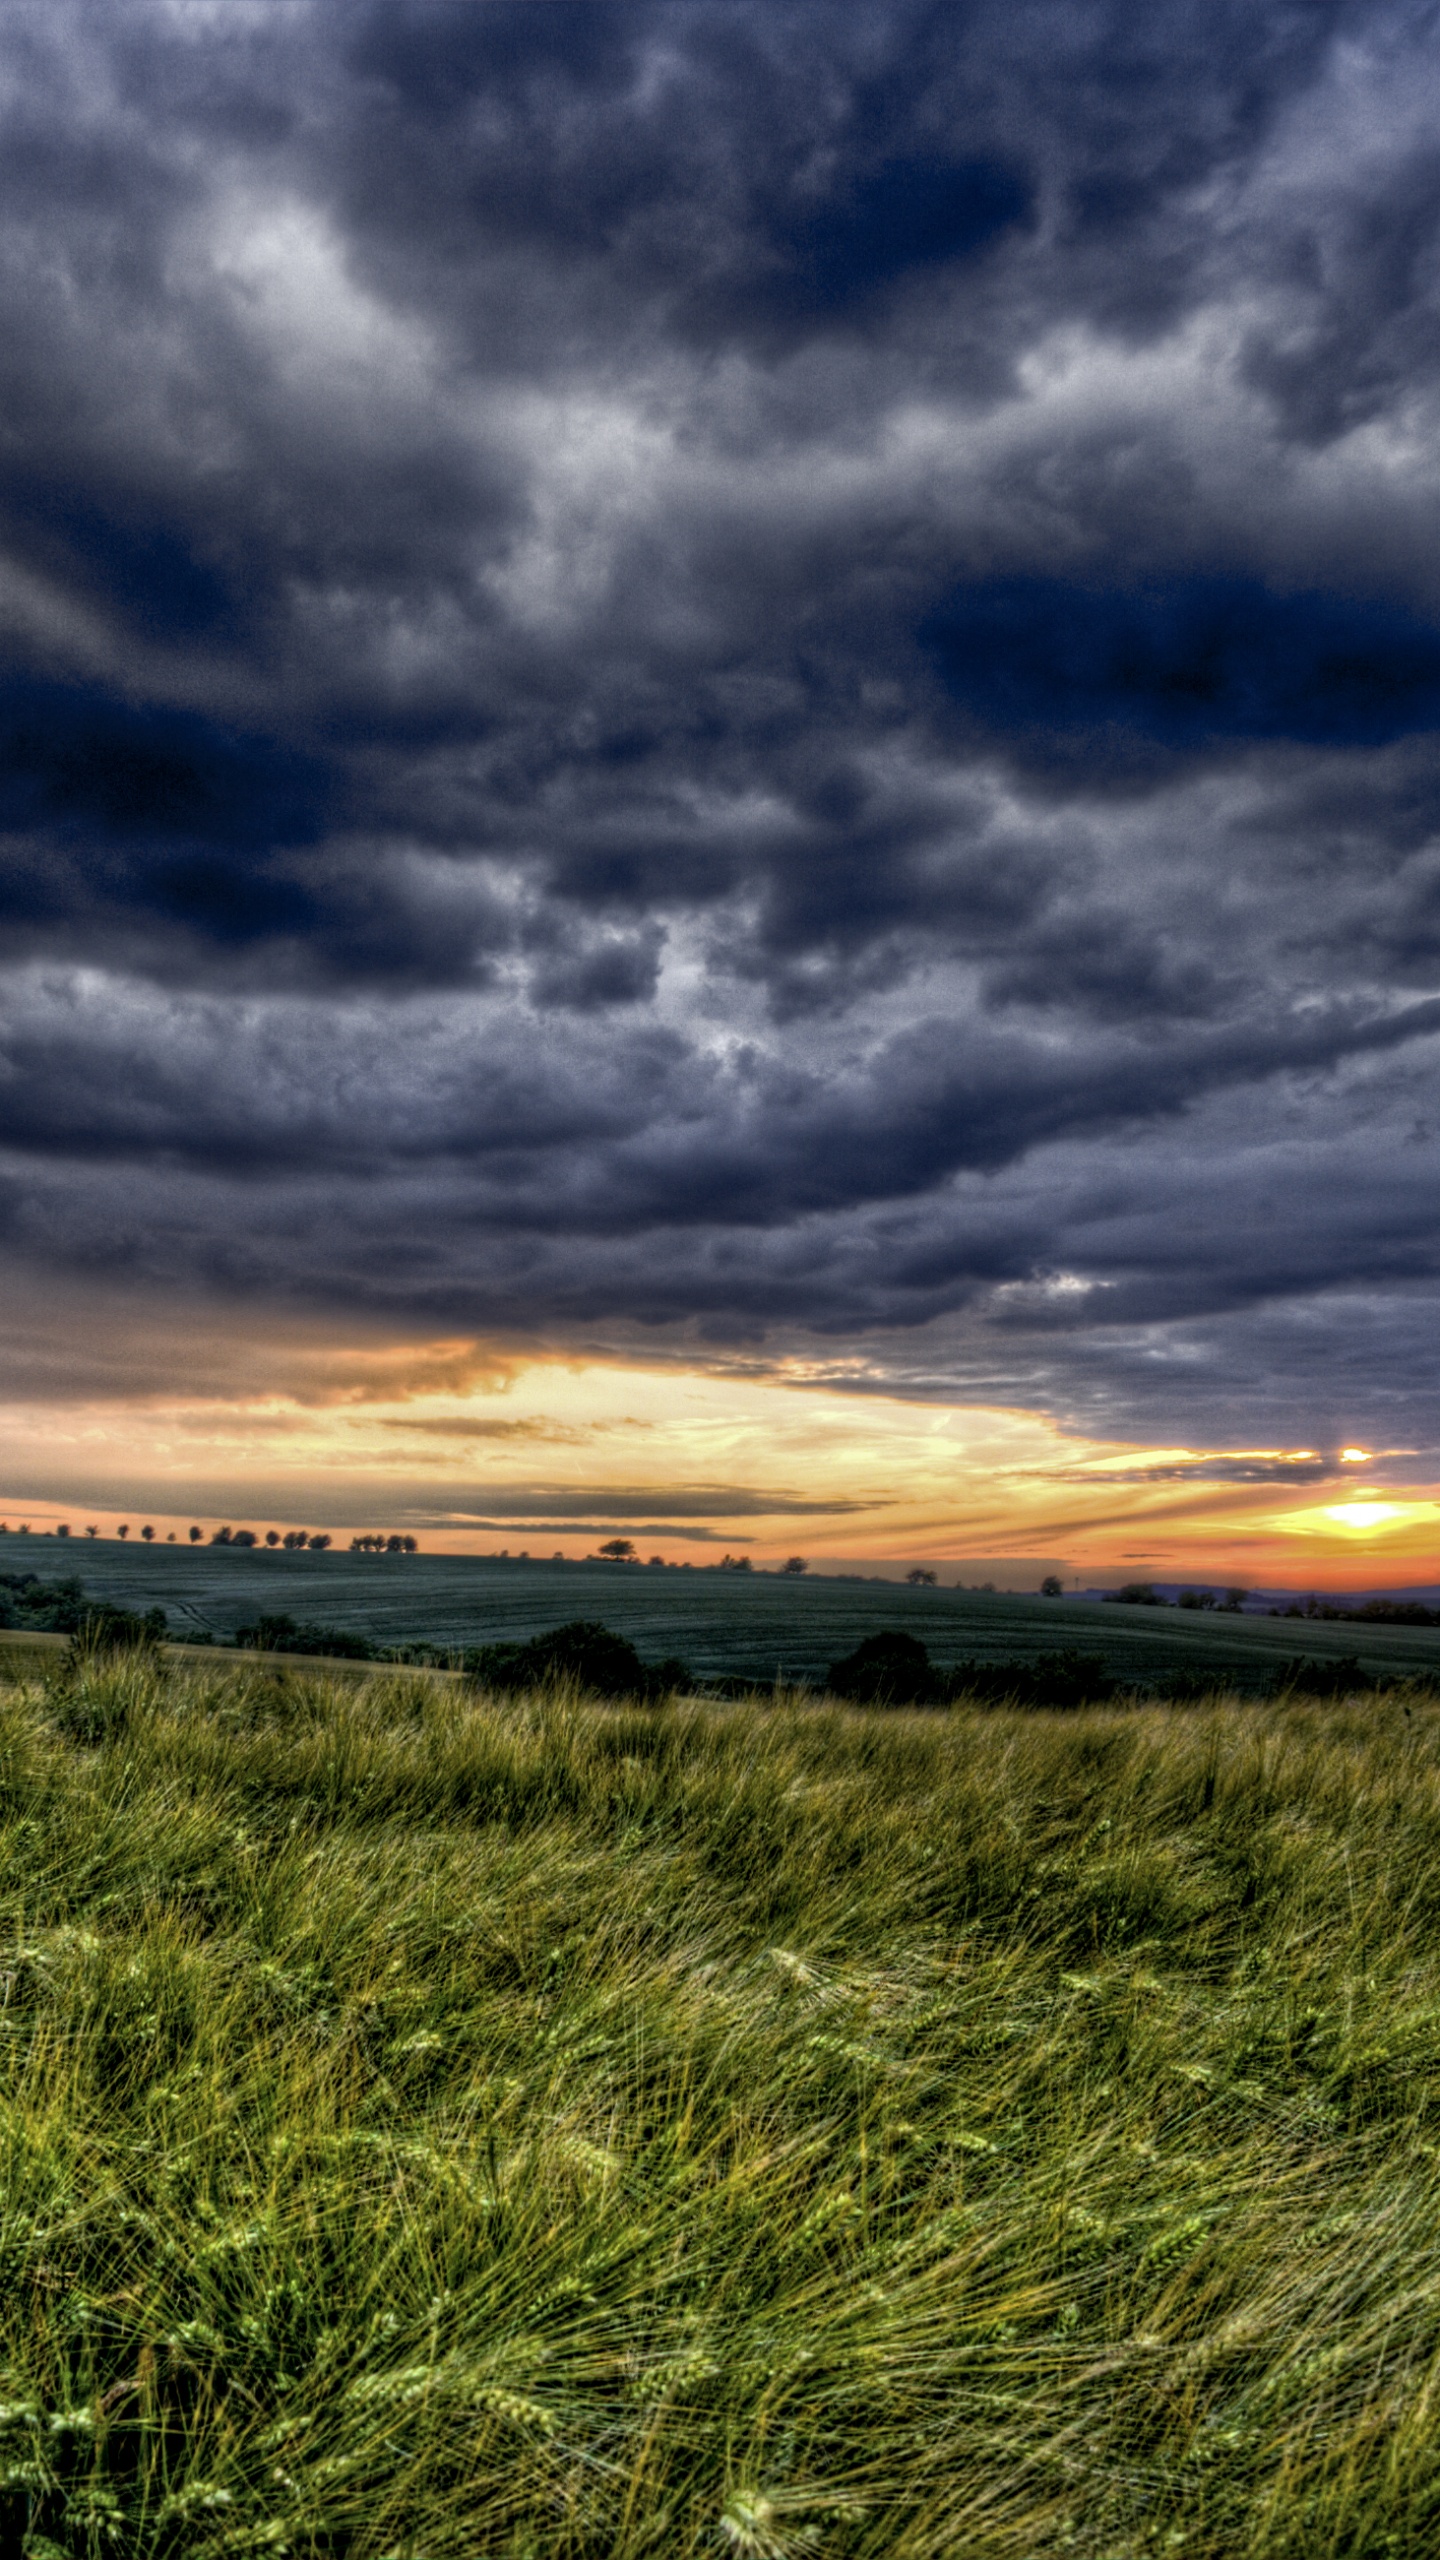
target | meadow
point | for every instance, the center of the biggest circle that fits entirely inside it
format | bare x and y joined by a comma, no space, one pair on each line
759,1627
436,2127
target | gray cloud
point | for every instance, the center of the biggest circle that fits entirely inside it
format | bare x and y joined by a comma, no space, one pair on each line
734,677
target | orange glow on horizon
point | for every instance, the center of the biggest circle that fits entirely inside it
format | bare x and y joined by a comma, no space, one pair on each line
474,1451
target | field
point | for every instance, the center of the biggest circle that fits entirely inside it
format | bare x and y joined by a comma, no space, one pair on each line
759,1627
435,2129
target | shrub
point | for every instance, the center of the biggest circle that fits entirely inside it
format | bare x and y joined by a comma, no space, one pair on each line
1333,1679
887,1669
583,1651
280,1634
1064,1679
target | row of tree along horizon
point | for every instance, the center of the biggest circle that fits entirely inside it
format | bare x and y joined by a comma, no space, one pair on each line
615,1551
374,1542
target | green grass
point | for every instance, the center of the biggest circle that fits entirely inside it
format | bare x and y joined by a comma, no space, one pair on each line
432,2128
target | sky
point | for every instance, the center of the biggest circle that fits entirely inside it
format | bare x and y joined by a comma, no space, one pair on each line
719,808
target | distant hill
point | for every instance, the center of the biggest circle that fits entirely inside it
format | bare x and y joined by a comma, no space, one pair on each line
752,1626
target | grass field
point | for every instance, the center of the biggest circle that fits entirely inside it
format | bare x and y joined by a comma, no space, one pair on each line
756,1627
435,2129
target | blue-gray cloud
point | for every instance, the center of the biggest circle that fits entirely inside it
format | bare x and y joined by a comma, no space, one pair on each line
750,675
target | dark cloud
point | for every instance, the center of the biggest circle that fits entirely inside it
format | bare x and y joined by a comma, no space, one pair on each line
735,676
1195,665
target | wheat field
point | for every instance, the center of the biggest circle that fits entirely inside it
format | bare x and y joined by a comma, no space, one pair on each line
437,2128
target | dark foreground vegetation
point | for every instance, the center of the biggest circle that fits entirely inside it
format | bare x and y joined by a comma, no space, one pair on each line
445,2125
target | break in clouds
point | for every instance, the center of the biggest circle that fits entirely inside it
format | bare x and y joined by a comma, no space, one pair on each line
770,672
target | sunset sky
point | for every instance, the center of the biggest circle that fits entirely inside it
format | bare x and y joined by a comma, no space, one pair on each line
718,769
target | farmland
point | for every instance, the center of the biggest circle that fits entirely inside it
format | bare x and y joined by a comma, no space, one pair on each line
754,1627
448,2129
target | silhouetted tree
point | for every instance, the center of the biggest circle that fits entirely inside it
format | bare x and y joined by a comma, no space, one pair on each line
221,1537
920,1575
619,1551
62,1528
1052,1588
795,1564
147,1533
272,1537
195,1537
92,1529
124,1529
321,1541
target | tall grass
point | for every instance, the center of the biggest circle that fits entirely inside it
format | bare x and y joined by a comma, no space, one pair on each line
429,2128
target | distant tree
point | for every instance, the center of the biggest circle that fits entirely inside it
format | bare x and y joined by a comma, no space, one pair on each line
1235,1599
394,1546
244,1538
1195,1600
147,1533
272,1537
1052,1588
735,1564
222,1537
124,1529
1138,1595
62,1528
795,1564
320,1541
195,1537
93,1529
410,1545
619,1551
169,1537
921,1575
294,1538
655,1559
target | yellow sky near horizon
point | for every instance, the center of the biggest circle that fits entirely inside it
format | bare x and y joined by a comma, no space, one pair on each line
475,1450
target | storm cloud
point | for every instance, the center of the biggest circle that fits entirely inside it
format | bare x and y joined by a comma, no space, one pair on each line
761,676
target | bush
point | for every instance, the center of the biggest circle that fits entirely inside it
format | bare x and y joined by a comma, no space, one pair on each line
280,1634
889,1669
582,1651
1333,1679
1064,1679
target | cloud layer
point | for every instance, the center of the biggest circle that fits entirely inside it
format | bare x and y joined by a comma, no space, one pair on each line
770,674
